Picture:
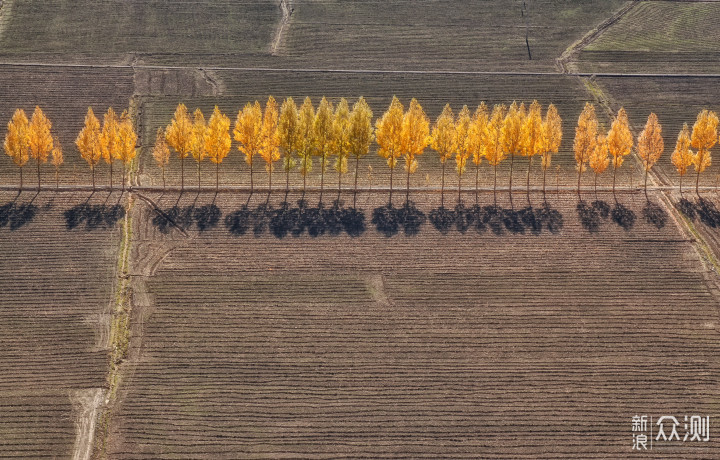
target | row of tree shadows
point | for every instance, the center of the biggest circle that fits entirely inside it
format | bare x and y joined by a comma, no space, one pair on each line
290,220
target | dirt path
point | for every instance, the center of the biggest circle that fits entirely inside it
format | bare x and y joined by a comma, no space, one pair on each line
88,403
287,9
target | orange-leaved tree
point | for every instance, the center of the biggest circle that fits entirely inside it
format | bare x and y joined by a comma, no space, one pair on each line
109,140
41,140
360,135
444,141
17,140
288,138
682,157
88,142
161,152
341,139
388,135
533,137
270,139
323,136
494,151
247,133
56,158
650,144
512,135
704,137
599,158
552,134
462,153
306,144
217,141
585,139
620,141
197,142
127,143
477,140
179,134
415,137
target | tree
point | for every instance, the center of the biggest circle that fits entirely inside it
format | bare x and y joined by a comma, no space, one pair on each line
682,156
17,140
109,140
341,139
388,135
650,144
288,136
40,139
462,153
197,141
88,142
599,158
127,143
585,138
533,137
306,145
270,138
477,140
161,152
247,132
494,151
323,136
56,158
512,134
552,133
444,141
415,136
704,137
217,141
360,135
179,136
620,141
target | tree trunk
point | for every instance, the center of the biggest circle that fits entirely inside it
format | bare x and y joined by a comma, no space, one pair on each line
198,176
217,176
681,176
697,183
287,175
357,163
646,175
182,173
322,175
459,188
111,184
580,168
407,188
339,183
57,179
596,186
495,184
92,168
163,175
512,159
269,180
123,178
528,176
304,182
544,174
38,168
251,175
442,187
477,173
391,180
21,178
614,175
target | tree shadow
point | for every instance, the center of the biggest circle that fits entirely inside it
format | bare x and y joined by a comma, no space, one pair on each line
15,215
686,207
497,219
204,217
93,216
589,216
388,220
623,216
654,215
708,213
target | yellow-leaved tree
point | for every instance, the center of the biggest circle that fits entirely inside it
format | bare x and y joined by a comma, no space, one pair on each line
89,143
585,139
56,158
444,142
179,135
323,137
533,137
494,151
341,139
17,140
197,142
388,135
247,132
288,138
415,137
41,140
650,144
306,144
704,137
361,135
109,140
462,153
552,134
161,152
270,139
127,143
682,157
512,136
217,141
599,158
620,141
476,142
